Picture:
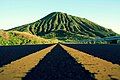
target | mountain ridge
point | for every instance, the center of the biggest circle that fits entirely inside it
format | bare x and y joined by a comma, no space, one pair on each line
62,21
74,28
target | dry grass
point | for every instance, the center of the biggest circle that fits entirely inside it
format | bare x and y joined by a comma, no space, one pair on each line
18,69
31,37
4,34
102,69
28,35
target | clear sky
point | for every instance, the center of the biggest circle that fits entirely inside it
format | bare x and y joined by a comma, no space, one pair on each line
14,13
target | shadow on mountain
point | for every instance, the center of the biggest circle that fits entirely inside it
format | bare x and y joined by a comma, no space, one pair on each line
58,65
12,53
104,51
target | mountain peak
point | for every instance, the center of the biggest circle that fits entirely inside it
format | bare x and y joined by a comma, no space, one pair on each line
53,14
57,13
56,21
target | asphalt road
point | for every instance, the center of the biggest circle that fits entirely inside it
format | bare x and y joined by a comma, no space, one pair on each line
12,53
58,65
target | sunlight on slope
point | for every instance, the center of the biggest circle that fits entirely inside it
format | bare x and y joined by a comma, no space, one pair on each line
19,68
30,36
53,40
22,38
4,34
102,69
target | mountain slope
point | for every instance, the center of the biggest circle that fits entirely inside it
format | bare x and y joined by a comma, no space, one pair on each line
21,38
61,21
66,28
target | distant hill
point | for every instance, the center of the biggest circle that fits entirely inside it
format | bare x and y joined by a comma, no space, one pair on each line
65,28
22,38
70,24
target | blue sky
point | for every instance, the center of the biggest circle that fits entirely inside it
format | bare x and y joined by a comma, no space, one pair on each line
18,12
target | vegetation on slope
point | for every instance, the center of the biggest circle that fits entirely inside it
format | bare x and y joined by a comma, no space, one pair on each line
64,28
62,21
66,37
21,38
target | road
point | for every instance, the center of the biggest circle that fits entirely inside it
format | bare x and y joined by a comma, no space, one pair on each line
60,62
